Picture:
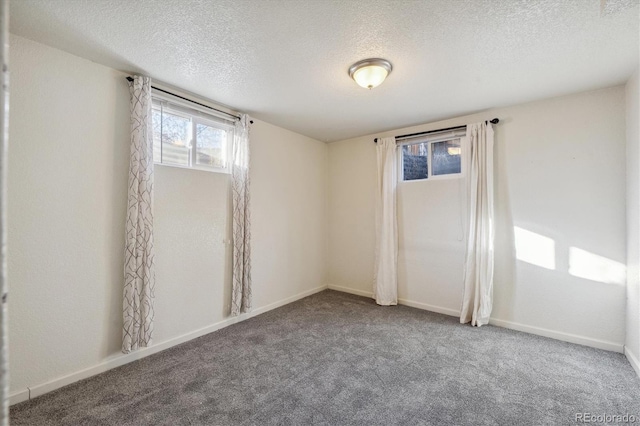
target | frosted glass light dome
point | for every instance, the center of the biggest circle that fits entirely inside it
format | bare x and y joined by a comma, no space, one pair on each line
370,73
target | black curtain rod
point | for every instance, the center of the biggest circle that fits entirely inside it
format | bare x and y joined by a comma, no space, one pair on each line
410,135
194,102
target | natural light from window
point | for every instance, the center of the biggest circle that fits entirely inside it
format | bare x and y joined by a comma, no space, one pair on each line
534,248
584,264
187,138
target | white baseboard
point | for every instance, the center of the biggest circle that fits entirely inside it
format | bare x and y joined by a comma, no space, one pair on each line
411,303
19,396
632,360
349,290
280,303
558,335
121,359
431,308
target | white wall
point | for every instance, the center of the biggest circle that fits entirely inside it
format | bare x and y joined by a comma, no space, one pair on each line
69,135
559,173
632,343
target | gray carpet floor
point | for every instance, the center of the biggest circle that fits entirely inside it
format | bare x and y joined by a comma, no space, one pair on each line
334,358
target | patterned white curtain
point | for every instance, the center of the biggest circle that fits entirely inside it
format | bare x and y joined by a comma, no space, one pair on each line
385,287
139,269
241,227
477,299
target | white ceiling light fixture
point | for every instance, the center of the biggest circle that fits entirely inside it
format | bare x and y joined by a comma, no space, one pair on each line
370,73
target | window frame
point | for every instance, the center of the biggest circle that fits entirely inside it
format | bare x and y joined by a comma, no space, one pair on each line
429,140
229,129
196,116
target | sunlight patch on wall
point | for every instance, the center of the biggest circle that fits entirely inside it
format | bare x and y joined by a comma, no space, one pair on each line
534,248
584,264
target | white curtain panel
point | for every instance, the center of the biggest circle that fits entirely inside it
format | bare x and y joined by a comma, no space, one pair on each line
477,299
139,269
241,226
385,287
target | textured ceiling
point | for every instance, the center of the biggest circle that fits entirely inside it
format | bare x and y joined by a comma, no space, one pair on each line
286,61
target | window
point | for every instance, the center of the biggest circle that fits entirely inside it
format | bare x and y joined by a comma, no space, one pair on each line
189,138
431,158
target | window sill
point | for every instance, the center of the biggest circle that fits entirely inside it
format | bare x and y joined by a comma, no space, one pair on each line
197,169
